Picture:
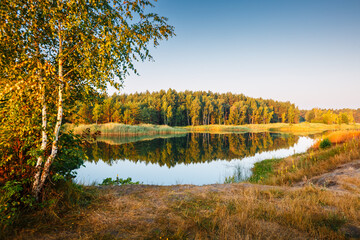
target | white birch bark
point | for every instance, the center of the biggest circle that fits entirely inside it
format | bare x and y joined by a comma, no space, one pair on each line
43,143
38,187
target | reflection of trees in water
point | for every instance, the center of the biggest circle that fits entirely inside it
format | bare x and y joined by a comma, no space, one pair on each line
194,148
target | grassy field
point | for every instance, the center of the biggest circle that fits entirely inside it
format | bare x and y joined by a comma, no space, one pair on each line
290,199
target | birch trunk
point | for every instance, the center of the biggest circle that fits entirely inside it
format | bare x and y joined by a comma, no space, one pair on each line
43,144
40,184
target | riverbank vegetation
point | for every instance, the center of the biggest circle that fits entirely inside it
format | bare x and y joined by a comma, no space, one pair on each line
118,129
344,148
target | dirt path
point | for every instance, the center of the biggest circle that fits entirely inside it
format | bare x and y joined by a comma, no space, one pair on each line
344,178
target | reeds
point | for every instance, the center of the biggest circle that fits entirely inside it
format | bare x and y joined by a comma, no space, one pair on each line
119,129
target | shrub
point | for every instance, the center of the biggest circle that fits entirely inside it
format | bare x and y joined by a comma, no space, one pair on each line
325,143
117,181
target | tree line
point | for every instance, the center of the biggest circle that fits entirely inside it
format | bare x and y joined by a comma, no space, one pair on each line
184,109
330,116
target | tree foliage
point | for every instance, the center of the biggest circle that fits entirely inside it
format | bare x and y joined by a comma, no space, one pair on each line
187,108
55,55
329,116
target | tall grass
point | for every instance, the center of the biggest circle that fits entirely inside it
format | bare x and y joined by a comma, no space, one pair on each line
120,129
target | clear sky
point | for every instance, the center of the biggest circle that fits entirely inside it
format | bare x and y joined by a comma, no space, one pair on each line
303,51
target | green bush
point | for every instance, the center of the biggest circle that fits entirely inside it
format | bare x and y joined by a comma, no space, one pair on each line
325,143
118,181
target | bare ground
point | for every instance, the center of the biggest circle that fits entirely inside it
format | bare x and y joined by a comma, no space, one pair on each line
344,178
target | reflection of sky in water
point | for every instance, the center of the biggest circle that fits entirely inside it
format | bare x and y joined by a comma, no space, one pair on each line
198,174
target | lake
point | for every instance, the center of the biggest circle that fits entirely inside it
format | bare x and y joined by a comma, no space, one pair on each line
194,158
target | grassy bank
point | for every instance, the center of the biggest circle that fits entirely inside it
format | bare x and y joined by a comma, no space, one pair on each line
299,128
345,148
224,211
119,129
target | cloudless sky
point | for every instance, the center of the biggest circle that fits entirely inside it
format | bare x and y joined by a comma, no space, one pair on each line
303,51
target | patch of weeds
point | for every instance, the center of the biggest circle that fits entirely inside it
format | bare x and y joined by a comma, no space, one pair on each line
263,169
117,181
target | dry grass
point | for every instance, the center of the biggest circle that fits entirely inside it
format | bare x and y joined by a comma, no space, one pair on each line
119,129
315,162
339,137
234,211
299,128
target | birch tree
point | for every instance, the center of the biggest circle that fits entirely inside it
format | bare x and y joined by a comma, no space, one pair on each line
76,46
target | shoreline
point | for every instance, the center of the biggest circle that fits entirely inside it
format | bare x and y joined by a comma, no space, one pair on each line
119,129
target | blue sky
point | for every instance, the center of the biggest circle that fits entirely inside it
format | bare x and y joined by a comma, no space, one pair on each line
303,51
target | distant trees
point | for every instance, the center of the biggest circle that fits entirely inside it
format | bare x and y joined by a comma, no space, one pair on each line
187,108
201,108
329,116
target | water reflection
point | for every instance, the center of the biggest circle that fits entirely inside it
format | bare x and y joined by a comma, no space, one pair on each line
189,149
188,159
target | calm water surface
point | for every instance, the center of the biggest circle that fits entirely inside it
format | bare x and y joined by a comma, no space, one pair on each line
185,159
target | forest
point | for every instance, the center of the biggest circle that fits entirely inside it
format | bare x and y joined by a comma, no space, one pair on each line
199,108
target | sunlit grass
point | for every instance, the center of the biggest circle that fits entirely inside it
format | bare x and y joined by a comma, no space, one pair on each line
232,211
123,129
338,137
300,167
150,129
299,128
